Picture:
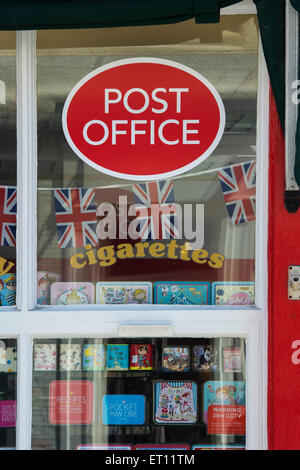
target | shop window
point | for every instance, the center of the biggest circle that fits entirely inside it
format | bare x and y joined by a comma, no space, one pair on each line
8,156
8,369
203,252
137,393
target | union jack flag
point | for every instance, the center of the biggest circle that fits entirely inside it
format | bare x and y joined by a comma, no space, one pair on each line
154,203
8,215
238,183
75,217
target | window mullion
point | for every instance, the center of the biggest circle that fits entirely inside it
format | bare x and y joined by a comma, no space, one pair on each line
26,169
24,393
26,226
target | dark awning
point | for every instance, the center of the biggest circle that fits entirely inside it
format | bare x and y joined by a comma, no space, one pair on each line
56,14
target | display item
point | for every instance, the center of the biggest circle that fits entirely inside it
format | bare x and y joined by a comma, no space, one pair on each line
93,357
104,447
44,357
161,447
217,447
44,281
224,409
8,413
175,359
232,359
205,357
124,293
182,293
233,293
72,293
71,402
70,357
124,409
117,357
8,290
8,360
141,357
175,402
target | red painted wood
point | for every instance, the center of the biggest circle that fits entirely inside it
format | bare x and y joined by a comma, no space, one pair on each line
284,314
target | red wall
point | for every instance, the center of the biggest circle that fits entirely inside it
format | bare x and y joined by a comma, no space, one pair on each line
284,314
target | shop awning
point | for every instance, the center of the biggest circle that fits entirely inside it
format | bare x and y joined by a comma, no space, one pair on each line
58,14
53,14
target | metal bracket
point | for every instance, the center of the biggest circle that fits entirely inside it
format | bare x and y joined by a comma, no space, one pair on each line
292,201
294,283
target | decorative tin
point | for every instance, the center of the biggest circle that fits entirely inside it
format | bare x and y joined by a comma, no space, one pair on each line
182,293
44,356
8,359
124,409
117,357
141,357
232,359
93,357
104,447
175,402
71,402
161,447
70,357
124,293
233,293
175,358
72,293
8,290
224,409
205,357
8,413
217,447
44,281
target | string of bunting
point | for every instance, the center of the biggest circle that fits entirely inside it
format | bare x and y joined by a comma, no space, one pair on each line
75,208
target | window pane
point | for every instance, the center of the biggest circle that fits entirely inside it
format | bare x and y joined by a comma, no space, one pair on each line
8,194
202,251
8,393
131,393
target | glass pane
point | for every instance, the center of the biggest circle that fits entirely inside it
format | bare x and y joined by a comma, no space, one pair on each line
8,393
8,152
136,393
202,251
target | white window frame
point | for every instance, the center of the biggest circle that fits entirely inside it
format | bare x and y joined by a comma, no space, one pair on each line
26,322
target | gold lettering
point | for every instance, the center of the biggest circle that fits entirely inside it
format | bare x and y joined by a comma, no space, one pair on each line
75,263
107,255
157,250
3,261
216,261
140,247
90,254
199,256
125,250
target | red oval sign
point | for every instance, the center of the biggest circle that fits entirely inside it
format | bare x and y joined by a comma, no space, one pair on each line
143,119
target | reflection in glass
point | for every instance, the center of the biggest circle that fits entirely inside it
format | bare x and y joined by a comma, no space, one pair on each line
226,55
137,393
8,393
8,156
